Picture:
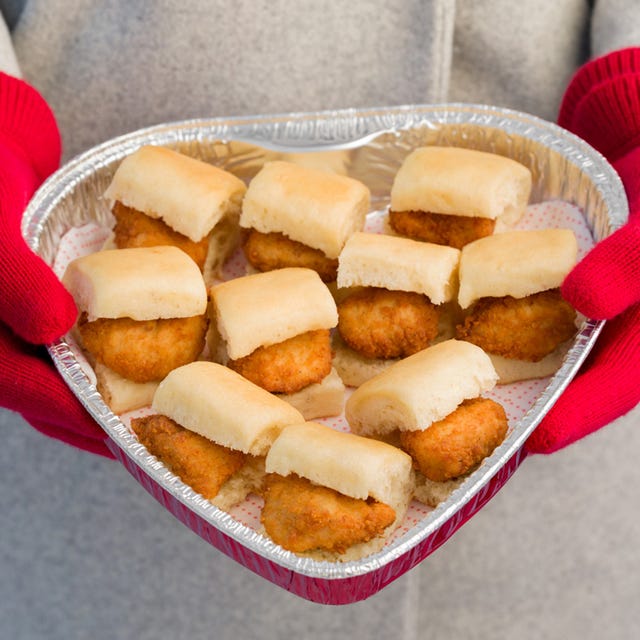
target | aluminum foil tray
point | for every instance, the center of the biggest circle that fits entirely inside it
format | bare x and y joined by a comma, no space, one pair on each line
368,145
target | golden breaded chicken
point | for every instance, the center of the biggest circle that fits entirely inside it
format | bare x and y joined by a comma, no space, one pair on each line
143,350
135,229
459,442
439,228
379,323
202,464
301,516
290,365
269,251
521,328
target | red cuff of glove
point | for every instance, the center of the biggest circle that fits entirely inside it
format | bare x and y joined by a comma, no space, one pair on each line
605,389
34,303
30,385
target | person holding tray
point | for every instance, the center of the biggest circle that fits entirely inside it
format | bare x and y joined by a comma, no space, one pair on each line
84,551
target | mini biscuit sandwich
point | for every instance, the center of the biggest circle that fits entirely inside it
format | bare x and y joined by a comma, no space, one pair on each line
393,294
142,314
274,329
452,196
333,495
430,404
161,197
213,428
513,309
297,216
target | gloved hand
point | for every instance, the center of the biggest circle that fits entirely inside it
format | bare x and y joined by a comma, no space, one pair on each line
602,106
35,308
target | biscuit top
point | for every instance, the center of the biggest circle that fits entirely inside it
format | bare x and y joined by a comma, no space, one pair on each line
399,264
221,405
463,182
189,195
352,465
143,283
421,389
266,308
515,263
317,208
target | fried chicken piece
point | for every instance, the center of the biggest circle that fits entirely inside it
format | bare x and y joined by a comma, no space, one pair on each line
135,229
456,444
143,350
440,228
269,251
379,323
290,365
301,516
197,461
527,328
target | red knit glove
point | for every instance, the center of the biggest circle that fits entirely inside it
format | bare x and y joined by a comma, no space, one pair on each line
602,106
35,308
